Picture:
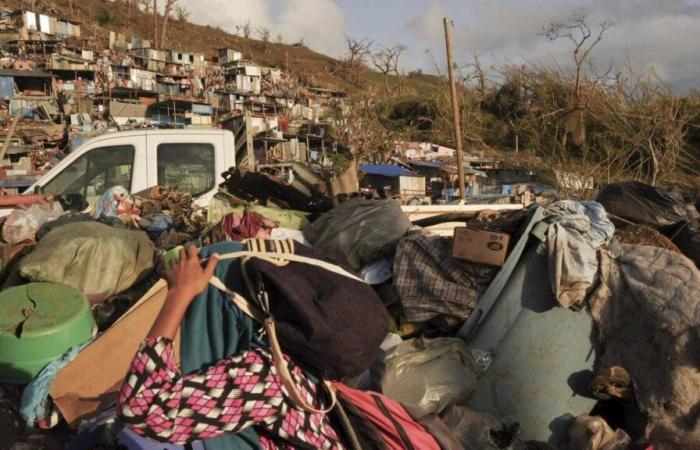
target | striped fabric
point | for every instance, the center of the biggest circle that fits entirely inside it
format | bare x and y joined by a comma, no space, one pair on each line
242,391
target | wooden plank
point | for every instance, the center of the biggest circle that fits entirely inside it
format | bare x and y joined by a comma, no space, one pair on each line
418,212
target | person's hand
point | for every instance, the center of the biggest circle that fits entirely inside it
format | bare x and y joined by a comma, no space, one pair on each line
187,278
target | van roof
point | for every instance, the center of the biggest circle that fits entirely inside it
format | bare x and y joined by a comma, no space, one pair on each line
155,132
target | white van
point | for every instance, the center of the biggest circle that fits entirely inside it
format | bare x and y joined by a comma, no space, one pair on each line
190,159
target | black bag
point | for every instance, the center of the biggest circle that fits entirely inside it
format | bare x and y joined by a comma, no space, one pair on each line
325,317
642,204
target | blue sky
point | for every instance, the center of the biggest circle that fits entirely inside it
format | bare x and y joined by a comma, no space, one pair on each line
651,34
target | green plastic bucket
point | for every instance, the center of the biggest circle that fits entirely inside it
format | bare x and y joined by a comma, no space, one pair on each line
39,322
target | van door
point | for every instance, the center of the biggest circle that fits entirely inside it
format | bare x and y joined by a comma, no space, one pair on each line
98,167
188,161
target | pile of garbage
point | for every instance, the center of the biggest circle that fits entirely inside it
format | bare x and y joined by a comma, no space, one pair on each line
571,326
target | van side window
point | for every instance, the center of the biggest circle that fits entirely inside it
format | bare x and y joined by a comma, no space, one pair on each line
94,172
187,166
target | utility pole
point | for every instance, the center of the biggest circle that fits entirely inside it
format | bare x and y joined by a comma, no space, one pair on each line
250,151
455,109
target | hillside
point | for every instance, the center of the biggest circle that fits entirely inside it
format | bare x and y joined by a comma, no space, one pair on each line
99,17
531,115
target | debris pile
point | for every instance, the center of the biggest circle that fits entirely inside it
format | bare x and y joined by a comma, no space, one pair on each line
555,345
59,88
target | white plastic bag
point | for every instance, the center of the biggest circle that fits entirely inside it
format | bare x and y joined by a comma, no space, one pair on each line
22,224
430,373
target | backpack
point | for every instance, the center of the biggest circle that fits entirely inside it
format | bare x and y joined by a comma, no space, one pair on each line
324,317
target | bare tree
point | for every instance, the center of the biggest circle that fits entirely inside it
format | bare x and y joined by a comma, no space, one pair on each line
169,4
397,54
280,38
247,29
358,50
478,75
386,61
182,14
577,30
363,132
264,35
155,24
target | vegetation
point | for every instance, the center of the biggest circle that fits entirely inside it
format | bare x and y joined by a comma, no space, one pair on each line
603,127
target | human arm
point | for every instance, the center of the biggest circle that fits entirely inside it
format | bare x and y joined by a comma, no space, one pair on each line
186,279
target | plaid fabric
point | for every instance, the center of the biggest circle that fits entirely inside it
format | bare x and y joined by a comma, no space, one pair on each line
432,285
242,391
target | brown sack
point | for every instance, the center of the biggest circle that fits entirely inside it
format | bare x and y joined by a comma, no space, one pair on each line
92,381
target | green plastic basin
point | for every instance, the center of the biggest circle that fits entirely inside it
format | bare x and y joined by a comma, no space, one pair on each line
38,323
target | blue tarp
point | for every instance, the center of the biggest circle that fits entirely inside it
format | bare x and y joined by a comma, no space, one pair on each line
387,170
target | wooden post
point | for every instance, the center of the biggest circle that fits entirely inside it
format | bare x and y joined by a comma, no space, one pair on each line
250,152
10,132
455,108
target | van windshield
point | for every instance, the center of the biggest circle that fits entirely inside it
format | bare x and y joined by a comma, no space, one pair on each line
94,172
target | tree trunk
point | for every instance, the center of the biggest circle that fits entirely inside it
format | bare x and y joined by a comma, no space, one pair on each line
155,25
166,17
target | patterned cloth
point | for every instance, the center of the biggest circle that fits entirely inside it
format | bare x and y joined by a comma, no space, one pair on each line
432,285
242,391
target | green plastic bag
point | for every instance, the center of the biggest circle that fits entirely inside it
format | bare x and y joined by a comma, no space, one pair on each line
98,260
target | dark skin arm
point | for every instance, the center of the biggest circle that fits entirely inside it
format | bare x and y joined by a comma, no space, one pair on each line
186,280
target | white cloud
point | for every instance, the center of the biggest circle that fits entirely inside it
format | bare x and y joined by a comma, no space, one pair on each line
654,33
321,23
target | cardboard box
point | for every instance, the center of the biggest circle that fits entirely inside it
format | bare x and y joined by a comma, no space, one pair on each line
91,382
478,246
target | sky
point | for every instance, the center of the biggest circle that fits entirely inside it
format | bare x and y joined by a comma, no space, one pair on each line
658,35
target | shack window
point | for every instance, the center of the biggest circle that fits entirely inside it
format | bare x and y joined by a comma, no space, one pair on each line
187,166
94,172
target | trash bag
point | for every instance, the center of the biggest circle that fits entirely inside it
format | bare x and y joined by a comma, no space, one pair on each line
640,203
359,231
94,258
594,433
22,224
646,312
573,238
431,374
